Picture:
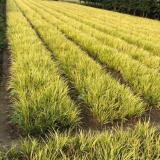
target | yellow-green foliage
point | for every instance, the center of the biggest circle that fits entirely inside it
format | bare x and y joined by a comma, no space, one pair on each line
38,93
107,99
113,42
141,79
141,32
78,37
141,143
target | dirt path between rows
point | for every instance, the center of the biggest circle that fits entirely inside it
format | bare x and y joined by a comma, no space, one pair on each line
5,129
5,137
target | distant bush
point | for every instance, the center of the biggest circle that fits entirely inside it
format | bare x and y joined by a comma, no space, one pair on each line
145,8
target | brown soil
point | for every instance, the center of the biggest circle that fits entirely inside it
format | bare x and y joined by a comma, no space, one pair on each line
6,133
152,116
5,137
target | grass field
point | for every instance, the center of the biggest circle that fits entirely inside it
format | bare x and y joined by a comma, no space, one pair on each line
85,80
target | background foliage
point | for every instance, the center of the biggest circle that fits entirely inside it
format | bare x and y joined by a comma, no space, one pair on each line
145,8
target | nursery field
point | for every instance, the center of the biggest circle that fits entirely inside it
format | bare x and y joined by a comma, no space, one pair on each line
86,80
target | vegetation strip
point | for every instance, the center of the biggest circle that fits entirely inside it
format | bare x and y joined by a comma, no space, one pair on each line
40,97
111,19
142,79
103,14
108,98
105,28
115,44
87,120
142,142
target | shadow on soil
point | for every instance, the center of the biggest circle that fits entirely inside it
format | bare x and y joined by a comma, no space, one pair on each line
6,132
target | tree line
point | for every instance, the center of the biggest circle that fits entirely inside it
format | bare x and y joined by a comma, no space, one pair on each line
145,8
